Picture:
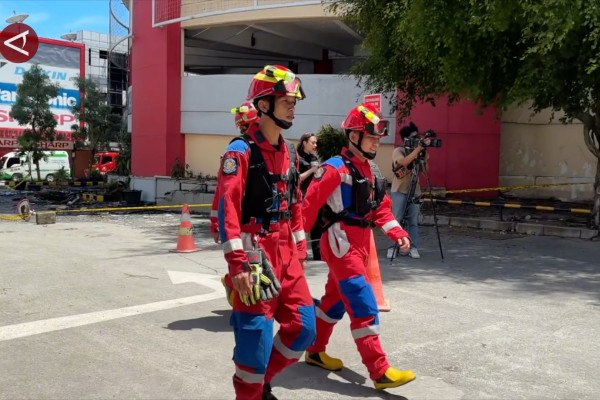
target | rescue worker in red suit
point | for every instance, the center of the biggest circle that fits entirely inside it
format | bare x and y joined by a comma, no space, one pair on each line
274,224
352,192
245,115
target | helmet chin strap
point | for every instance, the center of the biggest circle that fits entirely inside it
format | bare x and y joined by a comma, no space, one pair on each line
271,114
368,156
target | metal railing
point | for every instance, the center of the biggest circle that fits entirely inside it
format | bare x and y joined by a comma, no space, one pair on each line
166,12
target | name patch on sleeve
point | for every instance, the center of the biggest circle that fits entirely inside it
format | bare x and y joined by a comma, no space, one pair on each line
320,172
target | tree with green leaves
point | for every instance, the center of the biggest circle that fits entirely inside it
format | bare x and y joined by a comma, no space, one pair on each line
330,142
493,52
98,125
32,110
124,158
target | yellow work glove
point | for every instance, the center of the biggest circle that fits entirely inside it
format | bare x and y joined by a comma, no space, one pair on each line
269,284
255,267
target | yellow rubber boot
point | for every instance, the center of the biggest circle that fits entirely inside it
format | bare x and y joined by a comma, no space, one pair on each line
229,294
393,378
324,361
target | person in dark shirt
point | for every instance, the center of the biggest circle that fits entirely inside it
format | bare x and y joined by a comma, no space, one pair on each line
309,163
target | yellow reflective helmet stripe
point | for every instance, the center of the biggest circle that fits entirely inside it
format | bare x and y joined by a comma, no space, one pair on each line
242,109
273,74
370,115
279,74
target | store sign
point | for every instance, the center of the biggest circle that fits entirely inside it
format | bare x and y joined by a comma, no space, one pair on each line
61,64
56,145
374,99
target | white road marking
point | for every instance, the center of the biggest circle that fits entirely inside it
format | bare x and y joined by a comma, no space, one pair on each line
55,324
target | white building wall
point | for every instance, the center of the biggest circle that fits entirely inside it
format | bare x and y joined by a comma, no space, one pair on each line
207,101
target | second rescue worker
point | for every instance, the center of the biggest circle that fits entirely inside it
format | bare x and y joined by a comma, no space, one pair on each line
259,212
354,197
244,116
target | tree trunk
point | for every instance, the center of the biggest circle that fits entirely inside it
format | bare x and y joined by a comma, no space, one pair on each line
596,210
591,129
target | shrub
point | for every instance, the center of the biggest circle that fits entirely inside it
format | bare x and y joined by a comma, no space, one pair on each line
330,142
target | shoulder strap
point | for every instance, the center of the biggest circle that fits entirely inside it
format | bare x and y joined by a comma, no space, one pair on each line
294,178
256,158
380,186
375,169
356,175
293,154
258,175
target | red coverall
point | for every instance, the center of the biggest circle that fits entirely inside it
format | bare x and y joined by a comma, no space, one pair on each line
214,212
345,248
258,357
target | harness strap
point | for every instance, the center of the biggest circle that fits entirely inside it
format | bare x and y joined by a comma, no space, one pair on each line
258,166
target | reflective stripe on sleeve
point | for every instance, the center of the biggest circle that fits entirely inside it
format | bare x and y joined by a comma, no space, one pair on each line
232,245
392,224
299,236
214,213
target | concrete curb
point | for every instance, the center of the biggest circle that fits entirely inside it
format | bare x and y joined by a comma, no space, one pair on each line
513,227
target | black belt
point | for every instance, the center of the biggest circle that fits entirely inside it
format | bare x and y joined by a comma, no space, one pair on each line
287,214
363,223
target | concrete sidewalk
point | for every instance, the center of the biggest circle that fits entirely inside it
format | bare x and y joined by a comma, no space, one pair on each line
97,307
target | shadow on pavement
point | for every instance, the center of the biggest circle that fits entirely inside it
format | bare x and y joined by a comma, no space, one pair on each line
352,384
536,265
213,323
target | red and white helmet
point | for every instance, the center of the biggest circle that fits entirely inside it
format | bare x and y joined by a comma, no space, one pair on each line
275,81
367,119
245,114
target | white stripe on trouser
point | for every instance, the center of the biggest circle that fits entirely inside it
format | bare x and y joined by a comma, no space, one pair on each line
286,351
249,376
321,314
392,224
364,332
299,236
232,245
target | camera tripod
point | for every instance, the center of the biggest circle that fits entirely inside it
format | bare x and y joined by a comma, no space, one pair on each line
418,167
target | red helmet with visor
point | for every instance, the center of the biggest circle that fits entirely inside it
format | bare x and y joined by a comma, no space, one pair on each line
245,114
367,119
275,81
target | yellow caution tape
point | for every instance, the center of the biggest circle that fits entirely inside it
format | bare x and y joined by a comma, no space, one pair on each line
509,188
509,205
502,188
10,217
132,208
81,210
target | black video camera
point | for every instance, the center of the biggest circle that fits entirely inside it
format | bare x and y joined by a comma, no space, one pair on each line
413,142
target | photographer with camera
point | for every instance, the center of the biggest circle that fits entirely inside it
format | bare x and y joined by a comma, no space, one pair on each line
404,161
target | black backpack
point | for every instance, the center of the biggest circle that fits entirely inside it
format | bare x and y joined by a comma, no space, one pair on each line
261,199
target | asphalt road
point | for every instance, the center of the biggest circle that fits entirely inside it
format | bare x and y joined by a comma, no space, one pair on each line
97,307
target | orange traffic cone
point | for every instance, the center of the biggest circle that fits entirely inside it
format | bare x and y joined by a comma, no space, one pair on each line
186,243
374,277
